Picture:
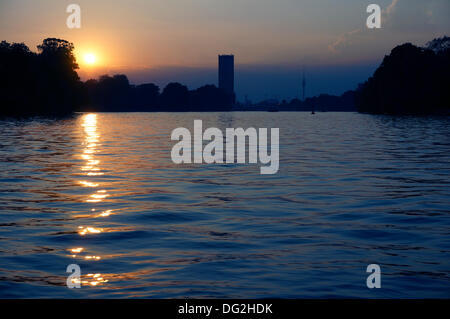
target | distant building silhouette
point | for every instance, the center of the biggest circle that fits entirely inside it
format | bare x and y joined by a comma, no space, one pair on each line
226,73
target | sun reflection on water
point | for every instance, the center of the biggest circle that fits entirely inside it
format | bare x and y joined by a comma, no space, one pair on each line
88,230
91,142
97,197
105,213
88,184
94,279
91,169
90,279
91,166
92,257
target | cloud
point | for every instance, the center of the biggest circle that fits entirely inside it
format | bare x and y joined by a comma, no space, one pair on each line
390,9
345,39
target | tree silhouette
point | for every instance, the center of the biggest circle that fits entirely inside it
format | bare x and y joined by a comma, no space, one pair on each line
175,97
209,97
146,97
58,79
411,80
17,82
39,84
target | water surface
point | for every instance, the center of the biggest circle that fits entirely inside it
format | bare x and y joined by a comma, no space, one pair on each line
100,190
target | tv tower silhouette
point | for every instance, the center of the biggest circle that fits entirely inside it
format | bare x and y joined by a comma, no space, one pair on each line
303,84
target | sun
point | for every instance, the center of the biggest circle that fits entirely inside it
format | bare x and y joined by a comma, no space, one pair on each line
90,58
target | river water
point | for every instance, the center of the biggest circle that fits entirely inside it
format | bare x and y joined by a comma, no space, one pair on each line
101,191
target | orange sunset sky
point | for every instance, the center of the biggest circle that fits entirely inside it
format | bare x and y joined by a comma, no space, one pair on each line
144,39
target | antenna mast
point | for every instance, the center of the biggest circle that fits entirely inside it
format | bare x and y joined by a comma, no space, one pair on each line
303,84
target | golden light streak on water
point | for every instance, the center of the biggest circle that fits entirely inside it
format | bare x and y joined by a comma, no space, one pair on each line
88,184
106,213
89,230
92,257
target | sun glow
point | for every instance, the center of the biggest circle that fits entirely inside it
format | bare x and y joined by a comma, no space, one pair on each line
90,58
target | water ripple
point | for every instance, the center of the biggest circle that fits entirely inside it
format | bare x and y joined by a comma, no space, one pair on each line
101,191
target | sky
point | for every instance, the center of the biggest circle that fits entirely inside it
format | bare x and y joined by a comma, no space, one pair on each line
161,41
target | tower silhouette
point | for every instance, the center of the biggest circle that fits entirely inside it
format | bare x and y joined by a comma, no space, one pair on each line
303,85
226,75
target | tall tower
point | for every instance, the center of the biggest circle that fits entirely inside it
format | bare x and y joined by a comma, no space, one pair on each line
226,73
303,85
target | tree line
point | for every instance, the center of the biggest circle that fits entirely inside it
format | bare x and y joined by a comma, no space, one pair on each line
39,83
46,83
115,93
322,102
410,80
